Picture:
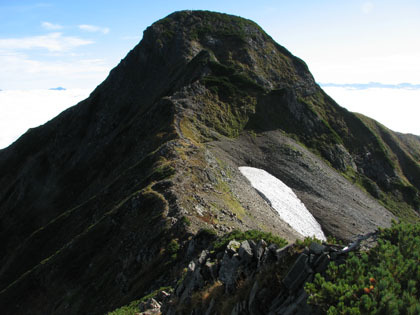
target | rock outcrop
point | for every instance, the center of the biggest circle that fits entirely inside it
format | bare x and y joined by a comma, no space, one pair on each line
252,278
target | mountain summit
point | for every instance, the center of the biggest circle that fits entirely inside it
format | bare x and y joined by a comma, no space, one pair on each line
107,201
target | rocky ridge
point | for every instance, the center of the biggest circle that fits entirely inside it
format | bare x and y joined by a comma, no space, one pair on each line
248,277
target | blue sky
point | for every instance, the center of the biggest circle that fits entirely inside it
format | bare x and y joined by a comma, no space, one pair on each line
74,44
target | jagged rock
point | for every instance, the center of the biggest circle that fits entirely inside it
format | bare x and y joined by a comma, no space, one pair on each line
240,263
298,273
228,271
245,251
240,308
233,247
295,305
203,256
321,263
193,281
252,301
162,296
260,251
210,270
270,255
210,310
283,252
316,248
149,306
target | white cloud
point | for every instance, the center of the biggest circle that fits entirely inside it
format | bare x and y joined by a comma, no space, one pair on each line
367,7
19,71
94,28
52,42
342,67
21,110
50,26
397,109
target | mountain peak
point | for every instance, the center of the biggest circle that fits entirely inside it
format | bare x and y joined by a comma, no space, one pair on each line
231,40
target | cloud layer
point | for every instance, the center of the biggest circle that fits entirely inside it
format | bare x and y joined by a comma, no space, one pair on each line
397,109
21,110
53,42
371,85
50,26
94,28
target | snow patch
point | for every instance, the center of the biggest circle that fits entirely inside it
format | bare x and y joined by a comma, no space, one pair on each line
282,198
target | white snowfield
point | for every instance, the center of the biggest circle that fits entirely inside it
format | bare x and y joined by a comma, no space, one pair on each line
284,201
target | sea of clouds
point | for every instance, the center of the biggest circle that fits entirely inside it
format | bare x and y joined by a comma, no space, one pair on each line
398,108
24,109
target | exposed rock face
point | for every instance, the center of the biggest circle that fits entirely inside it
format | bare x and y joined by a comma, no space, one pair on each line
97,205
270,280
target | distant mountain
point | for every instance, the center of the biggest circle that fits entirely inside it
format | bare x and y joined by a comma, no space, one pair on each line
115,197
57,89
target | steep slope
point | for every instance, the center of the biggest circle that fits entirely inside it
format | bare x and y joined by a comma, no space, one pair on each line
98,206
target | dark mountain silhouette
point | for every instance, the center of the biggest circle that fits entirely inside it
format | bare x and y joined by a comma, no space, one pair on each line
100,205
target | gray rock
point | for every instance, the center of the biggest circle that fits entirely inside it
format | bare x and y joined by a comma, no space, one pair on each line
210,270
203,256
228,271
252,301
298,273
270,254
316,248
233,247
210,310
191,247
150,304
193,281
162,296
260,249
245,251
283,252
294,305
191,266
239,308
321,263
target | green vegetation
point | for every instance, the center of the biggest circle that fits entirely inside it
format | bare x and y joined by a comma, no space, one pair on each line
130,309
173,248
254,235
229,200
307,241
384,280
162,169
223,25
211,23
133,307
207,233
186,221
228,83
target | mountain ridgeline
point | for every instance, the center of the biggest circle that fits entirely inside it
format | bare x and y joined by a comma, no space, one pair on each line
109,200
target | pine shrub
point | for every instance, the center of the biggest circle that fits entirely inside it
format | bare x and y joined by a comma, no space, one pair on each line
384,280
